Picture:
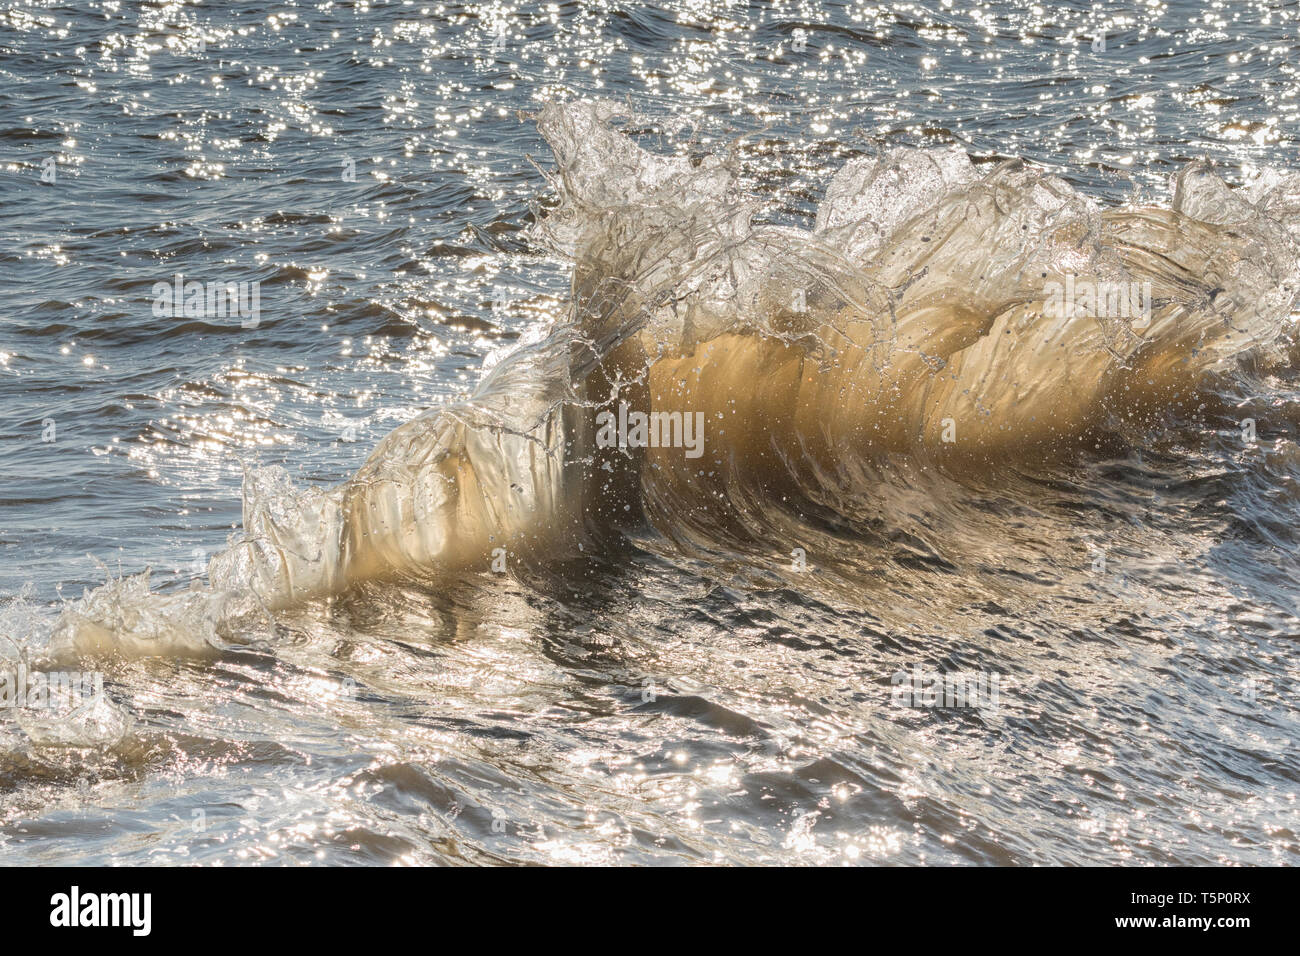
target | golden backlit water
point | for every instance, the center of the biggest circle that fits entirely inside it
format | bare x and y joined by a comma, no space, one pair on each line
680,694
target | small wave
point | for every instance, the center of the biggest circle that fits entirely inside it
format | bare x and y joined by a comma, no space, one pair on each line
959,319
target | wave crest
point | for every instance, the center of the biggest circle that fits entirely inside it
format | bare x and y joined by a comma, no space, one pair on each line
937,310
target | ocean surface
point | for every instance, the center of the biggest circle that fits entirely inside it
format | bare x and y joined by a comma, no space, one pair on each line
492,638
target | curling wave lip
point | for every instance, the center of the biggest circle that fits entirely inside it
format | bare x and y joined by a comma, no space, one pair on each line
915,319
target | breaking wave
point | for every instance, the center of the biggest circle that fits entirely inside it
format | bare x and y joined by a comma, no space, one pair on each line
940,320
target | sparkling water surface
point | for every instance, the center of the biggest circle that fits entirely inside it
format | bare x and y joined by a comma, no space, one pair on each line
374,167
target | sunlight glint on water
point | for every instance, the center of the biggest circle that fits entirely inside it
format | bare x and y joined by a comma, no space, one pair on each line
716,682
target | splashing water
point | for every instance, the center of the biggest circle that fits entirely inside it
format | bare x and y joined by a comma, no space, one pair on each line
925,316
891,504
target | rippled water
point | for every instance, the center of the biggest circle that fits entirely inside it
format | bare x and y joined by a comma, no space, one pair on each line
714,681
